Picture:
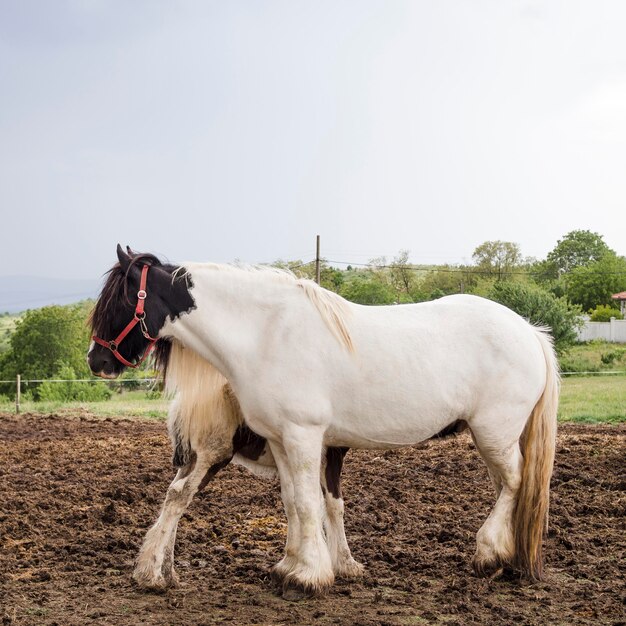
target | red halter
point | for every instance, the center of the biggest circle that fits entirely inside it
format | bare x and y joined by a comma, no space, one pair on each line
138,318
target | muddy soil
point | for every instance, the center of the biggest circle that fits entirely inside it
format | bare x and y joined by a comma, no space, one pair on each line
77,495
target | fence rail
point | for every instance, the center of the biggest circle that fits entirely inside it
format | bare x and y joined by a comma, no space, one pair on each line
25,381
118,381
20,382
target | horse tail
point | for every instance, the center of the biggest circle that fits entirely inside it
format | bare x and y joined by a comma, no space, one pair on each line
204,409
537,443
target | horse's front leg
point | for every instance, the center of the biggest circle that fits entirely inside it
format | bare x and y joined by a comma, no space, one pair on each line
154,568
310,569
280,571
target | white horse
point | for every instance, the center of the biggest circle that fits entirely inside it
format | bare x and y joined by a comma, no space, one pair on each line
310,370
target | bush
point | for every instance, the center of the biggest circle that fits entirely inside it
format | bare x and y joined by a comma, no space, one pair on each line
71,390
542,308
608,358
603,313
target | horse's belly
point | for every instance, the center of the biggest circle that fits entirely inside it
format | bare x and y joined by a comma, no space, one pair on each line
383,406
388,429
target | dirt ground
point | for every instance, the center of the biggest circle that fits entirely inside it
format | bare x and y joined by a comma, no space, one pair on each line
77,495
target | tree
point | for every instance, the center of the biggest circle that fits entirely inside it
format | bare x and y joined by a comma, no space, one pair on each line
595,283
44,339
330,277
402,276
578,248
541,307
445,280
497,258
367,288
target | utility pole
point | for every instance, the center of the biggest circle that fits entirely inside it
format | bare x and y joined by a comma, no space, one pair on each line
317,261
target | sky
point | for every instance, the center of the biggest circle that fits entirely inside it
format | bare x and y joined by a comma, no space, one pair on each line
234,130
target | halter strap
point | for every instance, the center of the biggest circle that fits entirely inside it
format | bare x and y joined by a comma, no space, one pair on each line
138,318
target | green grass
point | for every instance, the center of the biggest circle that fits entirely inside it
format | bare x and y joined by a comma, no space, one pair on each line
127,404
591,399
595,356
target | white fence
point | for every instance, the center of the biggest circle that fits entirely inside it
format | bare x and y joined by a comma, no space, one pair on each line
614,331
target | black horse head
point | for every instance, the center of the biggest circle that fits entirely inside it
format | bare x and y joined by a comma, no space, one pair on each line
165,295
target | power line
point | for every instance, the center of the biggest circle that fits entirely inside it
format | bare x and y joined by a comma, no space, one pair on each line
456,270
25,381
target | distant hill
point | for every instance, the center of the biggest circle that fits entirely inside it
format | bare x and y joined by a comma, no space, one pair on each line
18,293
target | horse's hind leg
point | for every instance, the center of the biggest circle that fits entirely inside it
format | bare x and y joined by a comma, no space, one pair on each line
495,545
343,563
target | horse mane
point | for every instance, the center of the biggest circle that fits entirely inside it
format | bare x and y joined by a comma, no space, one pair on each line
332,308
116,282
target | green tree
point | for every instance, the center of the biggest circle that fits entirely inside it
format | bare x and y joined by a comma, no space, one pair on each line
402,276
367,288
330,277
44,338
444,280
594,284
540,307
578,248
497,258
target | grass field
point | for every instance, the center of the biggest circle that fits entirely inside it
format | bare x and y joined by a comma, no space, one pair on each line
595,356
127,404
593,399
583,399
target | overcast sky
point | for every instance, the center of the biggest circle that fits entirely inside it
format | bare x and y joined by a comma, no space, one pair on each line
240,130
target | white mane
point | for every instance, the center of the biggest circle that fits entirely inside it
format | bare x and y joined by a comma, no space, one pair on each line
332,307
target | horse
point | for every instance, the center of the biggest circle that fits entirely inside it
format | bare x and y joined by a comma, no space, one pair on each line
311,371
205,419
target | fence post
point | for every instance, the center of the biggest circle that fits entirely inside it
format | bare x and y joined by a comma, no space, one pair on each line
17,393
317,260
612,330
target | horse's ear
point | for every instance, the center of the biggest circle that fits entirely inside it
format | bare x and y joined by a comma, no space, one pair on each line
123,258
131,254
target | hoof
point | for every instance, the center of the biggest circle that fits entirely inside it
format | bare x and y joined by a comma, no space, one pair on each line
300,585
487,568
279,572
171,579
294,594
277,576
156,583
350,569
